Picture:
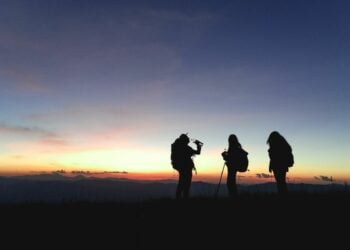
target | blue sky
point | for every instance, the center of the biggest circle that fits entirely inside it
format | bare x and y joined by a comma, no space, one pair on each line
98,77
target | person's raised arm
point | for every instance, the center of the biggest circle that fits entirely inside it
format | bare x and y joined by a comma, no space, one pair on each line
199,147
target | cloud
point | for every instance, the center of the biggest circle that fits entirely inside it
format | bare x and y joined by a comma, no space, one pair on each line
17,129
115,172
38,172
17,156
195,18
47,137
40,137
324,178
23,81
31,87
96,173
59,172
263,175
103,125
53,140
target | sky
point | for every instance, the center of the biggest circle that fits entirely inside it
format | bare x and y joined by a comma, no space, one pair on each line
107,86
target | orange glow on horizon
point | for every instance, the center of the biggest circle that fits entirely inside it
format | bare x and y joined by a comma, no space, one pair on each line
142,163
172,175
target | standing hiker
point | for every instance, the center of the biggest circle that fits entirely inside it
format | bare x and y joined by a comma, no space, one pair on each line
181,160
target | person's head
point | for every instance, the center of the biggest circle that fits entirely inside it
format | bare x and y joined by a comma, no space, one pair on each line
233,141
184,139
275,138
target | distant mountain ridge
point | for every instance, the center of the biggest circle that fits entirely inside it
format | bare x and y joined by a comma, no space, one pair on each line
57,188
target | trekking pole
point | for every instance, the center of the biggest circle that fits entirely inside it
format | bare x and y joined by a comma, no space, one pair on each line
217,190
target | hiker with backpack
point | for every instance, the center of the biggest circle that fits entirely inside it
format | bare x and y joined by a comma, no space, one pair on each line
281,158
236,159
181,160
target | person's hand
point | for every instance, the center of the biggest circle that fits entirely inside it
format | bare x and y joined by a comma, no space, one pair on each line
224,155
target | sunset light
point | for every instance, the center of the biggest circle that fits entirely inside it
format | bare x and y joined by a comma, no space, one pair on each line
109,86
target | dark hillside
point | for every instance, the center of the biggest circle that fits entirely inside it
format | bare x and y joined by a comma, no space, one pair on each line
250,221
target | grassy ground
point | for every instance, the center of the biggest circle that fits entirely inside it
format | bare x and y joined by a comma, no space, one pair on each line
301,220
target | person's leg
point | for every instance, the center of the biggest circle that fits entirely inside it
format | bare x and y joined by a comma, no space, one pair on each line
187,183
280,177
180,185
231,182
283,185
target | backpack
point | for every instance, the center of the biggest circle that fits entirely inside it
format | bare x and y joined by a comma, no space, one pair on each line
243,162
174,155
180,157
290,159
239,161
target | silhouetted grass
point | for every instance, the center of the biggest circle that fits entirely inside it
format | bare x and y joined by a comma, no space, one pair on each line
203,221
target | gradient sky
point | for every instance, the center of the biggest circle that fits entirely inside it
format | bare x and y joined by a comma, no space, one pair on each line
108,85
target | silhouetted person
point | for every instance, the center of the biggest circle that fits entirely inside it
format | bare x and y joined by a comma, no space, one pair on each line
281,158
181,159
233,158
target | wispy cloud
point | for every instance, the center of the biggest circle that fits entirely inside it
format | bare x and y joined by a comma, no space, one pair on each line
17,156
31,87
97,173
53,140
80,172
263,175
150,19
324,178
24,130
23,81
41,136
102,125
179,16
59,171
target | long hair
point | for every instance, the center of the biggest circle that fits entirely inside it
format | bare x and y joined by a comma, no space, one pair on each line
233,142
275,139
